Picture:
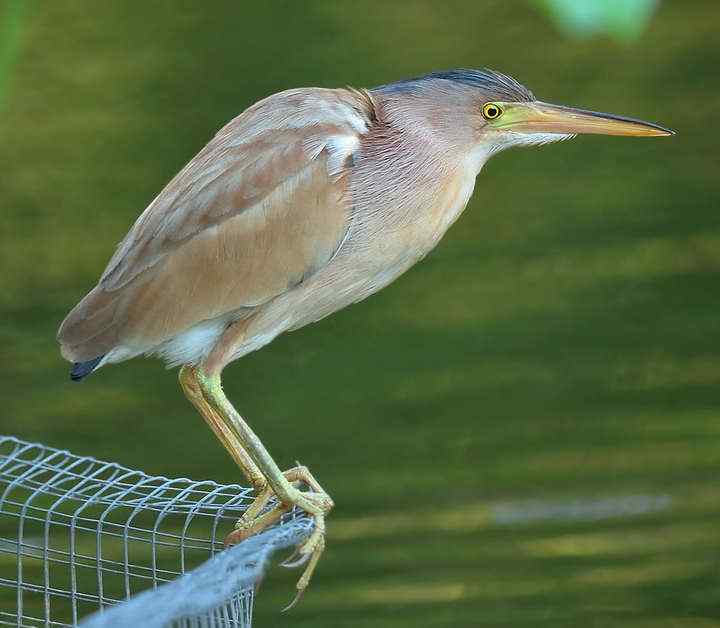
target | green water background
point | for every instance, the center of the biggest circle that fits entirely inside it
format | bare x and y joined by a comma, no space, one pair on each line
560,344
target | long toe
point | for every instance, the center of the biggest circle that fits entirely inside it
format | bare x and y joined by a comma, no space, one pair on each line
315,502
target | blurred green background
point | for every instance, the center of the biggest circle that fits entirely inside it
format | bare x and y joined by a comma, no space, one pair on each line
559,346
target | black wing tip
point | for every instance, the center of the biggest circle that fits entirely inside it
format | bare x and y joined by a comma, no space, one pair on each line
80,370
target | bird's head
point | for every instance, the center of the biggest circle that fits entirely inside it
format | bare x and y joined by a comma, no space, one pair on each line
490,111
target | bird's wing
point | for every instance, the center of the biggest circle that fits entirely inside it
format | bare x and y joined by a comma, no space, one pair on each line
259,209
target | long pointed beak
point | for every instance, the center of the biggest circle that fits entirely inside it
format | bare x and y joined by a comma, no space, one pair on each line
541,117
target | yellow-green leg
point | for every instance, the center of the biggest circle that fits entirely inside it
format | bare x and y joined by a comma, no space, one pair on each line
252,457
253,521
193,391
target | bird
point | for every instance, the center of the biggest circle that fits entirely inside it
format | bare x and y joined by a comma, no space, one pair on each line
310,200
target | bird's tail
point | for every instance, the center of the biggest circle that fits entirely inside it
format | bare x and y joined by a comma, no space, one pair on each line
80,370
89,333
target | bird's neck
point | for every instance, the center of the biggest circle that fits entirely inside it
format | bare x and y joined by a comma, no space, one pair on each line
413,161
408,188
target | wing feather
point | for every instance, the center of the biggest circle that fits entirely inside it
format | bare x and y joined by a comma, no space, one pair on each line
258,209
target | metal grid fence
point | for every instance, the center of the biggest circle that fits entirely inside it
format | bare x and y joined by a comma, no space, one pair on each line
78,534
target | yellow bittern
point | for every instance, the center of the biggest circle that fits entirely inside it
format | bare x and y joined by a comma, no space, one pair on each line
308,201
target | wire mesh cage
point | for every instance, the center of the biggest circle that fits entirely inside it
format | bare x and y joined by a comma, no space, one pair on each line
78,535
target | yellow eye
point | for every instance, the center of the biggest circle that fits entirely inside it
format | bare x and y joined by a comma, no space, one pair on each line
491,111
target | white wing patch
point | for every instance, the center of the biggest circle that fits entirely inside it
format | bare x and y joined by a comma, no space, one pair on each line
340,147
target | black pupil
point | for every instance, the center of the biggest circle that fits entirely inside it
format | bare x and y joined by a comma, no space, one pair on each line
492,112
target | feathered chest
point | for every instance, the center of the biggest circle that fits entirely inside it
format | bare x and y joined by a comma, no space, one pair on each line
403,201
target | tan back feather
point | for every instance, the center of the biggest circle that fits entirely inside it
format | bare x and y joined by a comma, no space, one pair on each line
261,207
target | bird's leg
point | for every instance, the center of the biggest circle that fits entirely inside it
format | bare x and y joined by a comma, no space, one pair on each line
316,502
251,522
193,391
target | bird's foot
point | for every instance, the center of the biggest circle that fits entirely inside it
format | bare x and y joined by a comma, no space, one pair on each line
316,502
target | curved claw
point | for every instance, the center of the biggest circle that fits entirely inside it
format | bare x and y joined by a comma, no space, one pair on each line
315,502
301,559
290,558
294,601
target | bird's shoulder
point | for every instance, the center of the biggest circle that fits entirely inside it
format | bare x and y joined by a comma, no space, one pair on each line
254,162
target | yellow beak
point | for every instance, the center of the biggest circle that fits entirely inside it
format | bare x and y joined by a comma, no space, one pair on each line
541,117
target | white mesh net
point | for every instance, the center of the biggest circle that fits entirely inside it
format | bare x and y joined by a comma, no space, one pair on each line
78,535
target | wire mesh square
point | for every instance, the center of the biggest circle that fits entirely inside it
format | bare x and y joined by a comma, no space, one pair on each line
78,534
